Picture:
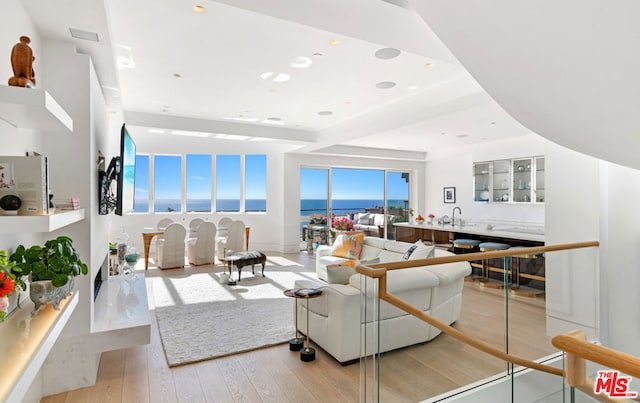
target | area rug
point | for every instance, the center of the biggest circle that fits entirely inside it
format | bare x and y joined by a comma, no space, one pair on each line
200,319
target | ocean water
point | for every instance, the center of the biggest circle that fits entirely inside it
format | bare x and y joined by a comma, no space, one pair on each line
343,206
201,205
307,206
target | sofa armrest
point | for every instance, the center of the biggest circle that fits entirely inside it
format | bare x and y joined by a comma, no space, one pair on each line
323,250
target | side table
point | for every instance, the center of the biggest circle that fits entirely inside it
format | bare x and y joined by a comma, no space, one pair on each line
307,353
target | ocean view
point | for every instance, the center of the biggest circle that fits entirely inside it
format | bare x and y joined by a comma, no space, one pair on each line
307,206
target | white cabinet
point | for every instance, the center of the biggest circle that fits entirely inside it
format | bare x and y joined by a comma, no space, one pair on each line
519,180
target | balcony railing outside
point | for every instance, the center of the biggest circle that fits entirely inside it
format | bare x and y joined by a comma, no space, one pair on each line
498,335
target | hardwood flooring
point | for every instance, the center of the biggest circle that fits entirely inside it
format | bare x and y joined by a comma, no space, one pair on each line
275,374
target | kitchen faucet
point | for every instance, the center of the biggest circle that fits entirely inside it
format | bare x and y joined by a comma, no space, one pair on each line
453,215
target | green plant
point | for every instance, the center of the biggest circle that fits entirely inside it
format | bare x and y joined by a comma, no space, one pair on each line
55,261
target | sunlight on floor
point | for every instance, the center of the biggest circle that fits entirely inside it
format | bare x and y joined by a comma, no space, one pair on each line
281,261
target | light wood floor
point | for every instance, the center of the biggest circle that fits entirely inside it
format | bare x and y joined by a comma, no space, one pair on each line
275,374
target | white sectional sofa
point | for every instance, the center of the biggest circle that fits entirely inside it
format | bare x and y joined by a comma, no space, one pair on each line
334,317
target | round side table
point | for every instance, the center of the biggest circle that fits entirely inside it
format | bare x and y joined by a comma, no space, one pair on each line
307,353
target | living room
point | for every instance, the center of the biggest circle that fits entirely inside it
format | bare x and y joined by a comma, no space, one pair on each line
575,213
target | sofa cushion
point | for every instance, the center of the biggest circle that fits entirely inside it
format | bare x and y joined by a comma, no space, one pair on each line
378,219
362,218
348,245
339,273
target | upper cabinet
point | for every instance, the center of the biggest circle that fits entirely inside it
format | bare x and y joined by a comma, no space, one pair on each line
518,180
32,108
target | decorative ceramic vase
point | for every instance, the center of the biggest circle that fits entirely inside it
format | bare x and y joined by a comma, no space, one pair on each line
22,64
42,292
10,204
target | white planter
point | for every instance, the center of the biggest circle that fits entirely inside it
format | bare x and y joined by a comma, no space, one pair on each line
43,292
13,299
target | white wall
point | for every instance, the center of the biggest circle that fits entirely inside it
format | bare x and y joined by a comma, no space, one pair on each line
455,168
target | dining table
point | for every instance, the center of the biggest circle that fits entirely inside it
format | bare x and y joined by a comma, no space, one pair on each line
147,236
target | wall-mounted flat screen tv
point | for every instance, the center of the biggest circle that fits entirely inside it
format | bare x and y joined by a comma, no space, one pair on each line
126,174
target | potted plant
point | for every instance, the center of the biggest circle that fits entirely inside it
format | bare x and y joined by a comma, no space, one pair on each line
50,268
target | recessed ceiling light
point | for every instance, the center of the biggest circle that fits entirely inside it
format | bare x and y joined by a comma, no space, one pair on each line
325,113
413,87
387,53
493,123
274,119
461,136
86,35
347,102
317,54
177,75
281,78
199,9
231,137
383,85
266,75
301,62
442,134
334,42
427,65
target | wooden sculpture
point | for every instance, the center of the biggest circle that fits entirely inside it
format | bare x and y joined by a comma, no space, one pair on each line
22,64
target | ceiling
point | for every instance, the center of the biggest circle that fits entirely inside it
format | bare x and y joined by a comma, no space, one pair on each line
303,72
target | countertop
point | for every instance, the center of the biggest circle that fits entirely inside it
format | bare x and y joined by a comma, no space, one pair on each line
525,232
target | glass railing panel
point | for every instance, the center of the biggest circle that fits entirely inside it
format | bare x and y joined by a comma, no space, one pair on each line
369,340
508,309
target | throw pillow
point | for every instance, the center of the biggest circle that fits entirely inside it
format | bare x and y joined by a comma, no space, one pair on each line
409,251
363,219
348,245
421,251
339,273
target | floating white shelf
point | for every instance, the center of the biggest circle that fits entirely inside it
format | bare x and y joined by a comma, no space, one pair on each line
39,223
32,108
25,342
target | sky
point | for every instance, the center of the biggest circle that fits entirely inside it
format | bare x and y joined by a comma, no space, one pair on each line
167,176
352,184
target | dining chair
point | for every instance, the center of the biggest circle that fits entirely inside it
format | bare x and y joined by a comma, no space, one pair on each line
233,242
201,248
170,249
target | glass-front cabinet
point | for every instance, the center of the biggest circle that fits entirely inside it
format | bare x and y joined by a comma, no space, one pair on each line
539,180
501,177
518,180
481,180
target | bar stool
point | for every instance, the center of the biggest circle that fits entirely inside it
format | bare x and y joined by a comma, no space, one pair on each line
486,264
461,246
516,288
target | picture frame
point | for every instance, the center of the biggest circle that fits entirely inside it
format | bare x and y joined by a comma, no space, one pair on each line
449,194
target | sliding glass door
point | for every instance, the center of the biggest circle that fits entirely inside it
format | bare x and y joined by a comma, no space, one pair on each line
314,196
397,201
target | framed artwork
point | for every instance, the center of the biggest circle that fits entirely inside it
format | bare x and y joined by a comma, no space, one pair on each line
449,195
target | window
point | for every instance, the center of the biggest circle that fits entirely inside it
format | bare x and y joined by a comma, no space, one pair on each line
167,182
199,182
255,184
228,183
141,195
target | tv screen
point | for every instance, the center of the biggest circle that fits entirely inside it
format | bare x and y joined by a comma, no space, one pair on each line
126,173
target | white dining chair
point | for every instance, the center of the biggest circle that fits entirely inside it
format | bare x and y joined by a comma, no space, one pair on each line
171,247
201,248
233,242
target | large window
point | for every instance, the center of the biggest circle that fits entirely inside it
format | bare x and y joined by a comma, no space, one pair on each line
199,182
228,183
255,183
141,196
167,183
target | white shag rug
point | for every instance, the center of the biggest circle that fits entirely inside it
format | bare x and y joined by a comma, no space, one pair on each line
200,319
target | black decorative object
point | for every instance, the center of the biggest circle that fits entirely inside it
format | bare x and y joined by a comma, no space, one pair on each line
10,204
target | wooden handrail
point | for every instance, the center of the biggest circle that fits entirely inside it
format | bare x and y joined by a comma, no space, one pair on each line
578,350
610,358
406,264
379,271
